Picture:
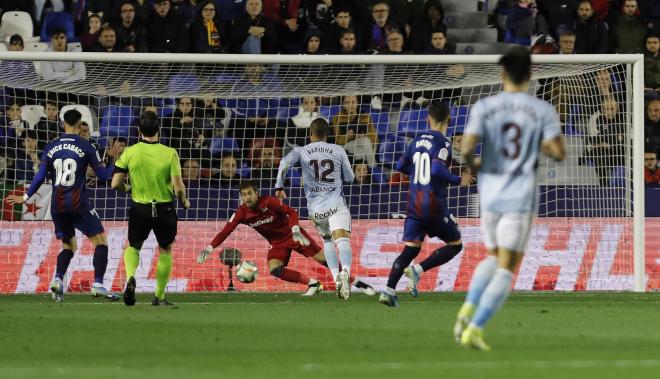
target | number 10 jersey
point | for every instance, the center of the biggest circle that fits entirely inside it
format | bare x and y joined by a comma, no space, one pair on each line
325,167
512,126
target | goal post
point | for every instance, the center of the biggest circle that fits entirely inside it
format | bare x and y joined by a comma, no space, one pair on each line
237,115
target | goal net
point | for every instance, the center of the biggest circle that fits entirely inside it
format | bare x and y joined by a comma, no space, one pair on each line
233,117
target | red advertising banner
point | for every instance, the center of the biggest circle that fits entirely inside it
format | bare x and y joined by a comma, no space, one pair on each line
564,254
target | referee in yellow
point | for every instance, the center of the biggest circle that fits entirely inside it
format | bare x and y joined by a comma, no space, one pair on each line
155,174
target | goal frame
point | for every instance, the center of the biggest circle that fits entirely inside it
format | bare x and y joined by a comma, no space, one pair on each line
634,98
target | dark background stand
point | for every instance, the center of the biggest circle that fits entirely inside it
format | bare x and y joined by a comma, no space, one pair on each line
230,257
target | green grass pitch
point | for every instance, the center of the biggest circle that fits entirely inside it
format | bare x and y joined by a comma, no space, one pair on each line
244,335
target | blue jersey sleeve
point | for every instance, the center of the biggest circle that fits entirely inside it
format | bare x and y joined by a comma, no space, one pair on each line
405,161
40,176
102,172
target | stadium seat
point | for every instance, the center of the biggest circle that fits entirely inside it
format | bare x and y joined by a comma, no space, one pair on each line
62,20
461,5
221,145
117,121
472,35
382,122
412,122
184,82
466,19
458,120
619,177
74,46
390,150
88,116
32,114
3,47
295,176
286,108
378,175
509,38
329,111
17,23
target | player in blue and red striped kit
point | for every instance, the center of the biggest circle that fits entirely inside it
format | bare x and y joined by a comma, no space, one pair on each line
64,161
426,161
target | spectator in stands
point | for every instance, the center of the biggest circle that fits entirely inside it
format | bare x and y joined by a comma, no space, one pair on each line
558,13
347,42
652,125
65,72
186,131
394,42
652,66
312,41
651,171
131,34
108,10
11,128
601,9
650,10
374,35
457,164
605,140
362,173
285,15
16,43
322,13
348,119
90,37
438,43
166,31
265,160
358,144
567,43
298,125
591,35
49,127
213,116
188,9
524,22
253,33
229,10
228,173
432,20
42,8
209,34
630,30
27,157
107,41
86,133
191,173
342,21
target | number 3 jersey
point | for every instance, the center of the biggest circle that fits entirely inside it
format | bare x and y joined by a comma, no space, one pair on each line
512,126
65,162
325,167
426,160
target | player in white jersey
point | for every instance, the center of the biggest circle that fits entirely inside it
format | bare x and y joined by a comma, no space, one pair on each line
512,126
325,167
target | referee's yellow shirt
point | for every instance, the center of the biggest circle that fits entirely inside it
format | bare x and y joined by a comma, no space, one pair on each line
150,168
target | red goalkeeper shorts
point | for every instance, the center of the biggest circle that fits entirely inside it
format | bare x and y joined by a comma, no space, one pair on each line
282,250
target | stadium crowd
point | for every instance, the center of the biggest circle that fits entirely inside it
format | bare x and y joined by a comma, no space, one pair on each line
223,140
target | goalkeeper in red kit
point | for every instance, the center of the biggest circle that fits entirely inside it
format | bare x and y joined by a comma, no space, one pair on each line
277,223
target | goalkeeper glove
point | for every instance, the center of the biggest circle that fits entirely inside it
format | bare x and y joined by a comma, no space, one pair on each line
201,257
298,236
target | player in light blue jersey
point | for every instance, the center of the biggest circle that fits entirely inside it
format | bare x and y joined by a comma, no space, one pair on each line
512,126
325,168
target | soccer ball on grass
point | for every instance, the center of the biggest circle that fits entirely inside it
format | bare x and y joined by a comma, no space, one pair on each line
246,272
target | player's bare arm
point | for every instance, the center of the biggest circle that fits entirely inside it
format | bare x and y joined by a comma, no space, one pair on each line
468,152
180,191
119,182
555,148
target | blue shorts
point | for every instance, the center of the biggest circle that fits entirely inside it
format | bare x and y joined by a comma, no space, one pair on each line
443,227
87,221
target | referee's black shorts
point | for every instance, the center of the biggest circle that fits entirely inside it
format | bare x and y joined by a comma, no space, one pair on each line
159,217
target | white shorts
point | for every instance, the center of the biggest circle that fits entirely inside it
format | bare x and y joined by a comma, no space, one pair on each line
506,230
332,219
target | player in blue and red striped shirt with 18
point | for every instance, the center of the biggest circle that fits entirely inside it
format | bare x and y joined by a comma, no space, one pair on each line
426,161
64,161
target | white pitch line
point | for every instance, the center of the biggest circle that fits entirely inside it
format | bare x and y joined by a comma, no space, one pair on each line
483,365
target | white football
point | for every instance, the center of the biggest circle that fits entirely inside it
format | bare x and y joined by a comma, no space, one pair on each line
246,272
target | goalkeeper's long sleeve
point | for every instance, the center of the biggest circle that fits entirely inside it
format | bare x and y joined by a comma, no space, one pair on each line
233,222
282,208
